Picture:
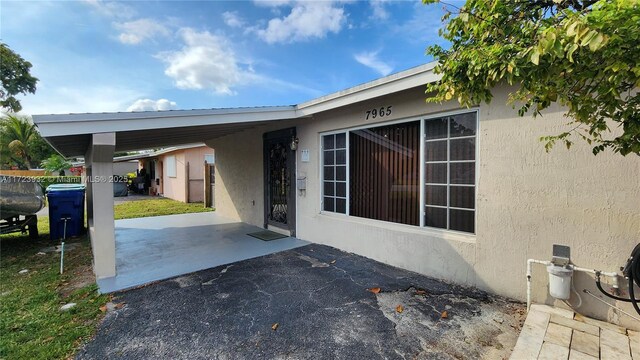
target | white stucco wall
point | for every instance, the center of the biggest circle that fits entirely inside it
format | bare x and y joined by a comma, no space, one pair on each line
526,200
239,174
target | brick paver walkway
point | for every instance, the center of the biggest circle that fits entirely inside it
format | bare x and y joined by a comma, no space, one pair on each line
553,333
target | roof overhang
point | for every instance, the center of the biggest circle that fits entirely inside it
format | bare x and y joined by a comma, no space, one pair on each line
408,79
70,134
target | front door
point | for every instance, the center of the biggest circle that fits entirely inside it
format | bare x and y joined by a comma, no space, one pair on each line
279,180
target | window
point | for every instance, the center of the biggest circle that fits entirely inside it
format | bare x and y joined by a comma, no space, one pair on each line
376,172
384,173
334,173
171,166
450,172
208,158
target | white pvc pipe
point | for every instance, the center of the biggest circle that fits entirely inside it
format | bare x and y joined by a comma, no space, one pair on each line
612,275
530,262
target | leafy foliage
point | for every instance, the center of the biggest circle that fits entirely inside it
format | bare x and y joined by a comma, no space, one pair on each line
16,78
56,164
16,134
582,54
20,143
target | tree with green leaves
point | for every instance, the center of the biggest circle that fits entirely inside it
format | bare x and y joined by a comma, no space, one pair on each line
15,77
56,164
581,54
20,143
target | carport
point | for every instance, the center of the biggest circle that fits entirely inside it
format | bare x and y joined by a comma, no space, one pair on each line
133,252
160,247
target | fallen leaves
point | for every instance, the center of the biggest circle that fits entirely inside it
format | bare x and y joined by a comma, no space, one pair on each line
444,315
399,309
332,262
274,327
110,306
421,292
374,290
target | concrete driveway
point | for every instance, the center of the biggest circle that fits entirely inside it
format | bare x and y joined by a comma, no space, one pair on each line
318,296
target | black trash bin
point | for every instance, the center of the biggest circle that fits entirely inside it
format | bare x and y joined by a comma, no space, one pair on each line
66,203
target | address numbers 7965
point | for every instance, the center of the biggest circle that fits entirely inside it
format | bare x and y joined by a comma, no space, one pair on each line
381,112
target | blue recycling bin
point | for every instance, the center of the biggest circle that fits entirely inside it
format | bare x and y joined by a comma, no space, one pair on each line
66,202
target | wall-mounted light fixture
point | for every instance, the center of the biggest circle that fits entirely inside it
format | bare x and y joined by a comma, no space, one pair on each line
294,143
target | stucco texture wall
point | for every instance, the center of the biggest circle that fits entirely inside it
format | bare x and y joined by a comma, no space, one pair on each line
526,201
239,190
174,187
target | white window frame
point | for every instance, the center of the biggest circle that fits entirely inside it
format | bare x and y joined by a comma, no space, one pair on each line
347,183
172,166
449,162
422,174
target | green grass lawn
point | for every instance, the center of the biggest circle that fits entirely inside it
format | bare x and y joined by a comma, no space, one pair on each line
31,324
156,207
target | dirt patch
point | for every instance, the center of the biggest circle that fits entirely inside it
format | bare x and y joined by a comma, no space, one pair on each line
82,276
453,326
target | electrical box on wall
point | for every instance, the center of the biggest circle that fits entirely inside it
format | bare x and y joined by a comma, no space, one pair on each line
304,155
301,183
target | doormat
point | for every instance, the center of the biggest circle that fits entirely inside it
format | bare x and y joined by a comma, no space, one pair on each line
267,235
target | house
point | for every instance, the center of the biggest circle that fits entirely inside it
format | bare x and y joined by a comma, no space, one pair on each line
177,172
461,194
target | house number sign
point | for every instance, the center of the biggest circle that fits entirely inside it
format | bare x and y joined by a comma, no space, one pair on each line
378,112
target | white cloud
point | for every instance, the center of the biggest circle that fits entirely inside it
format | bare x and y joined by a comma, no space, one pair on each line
206,61
232,19
306,20
134,32
370,59
379,11
112,9
152,105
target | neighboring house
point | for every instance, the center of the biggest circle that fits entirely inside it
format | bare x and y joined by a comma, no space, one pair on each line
461,194
121,167
177,172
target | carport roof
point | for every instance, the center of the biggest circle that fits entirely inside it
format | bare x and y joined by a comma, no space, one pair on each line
70,134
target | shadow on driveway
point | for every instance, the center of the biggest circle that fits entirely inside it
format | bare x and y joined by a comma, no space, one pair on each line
318,297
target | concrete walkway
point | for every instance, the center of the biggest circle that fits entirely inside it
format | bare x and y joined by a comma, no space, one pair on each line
161,247
553,333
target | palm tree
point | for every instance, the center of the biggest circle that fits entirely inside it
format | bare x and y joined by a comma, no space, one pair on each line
15,134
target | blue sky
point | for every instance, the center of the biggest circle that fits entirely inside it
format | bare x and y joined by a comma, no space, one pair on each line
95,56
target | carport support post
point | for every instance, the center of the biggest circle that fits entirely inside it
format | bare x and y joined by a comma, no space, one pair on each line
99,180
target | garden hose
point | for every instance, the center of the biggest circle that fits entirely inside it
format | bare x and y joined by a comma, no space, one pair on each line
630,271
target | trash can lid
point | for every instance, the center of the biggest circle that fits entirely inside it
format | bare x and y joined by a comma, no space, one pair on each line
65,187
